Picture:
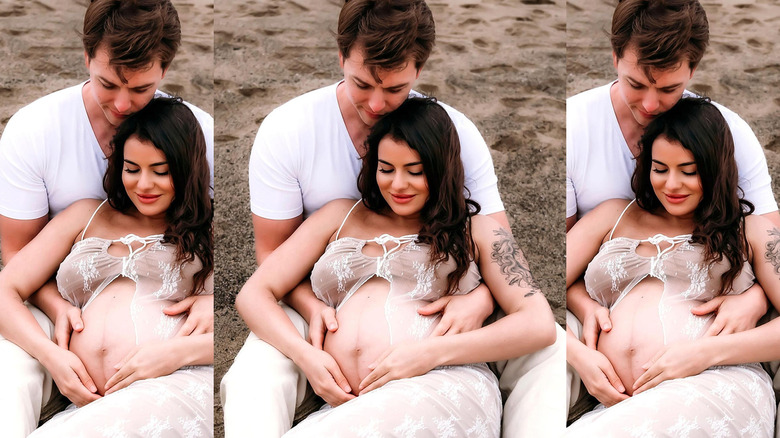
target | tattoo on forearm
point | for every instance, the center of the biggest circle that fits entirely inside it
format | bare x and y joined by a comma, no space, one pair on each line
512,263
773,249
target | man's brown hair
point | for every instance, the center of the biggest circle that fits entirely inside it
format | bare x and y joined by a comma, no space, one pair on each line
389,32
135,32
663,32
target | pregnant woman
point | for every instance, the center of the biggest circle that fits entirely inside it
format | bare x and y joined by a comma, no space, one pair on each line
121,261
411,239
686,239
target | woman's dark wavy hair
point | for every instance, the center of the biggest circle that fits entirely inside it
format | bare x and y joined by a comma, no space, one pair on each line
446,216
172,128
698,126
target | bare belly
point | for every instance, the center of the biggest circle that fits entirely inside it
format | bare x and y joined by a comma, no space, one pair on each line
363,333
637,334
108,334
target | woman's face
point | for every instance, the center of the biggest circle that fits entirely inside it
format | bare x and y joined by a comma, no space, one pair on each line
400,177
675,178
146,177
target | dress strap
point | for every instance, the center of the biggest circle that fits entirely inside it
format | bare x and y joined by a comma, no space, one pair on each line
620,217
345,218
92,217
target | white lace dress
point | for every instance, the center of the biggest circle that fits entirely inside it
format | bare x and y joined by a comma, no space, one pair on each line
447,402
177,405
722,401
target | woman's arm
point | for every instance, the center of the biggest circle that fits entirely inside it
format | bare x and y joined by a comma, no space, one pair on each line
283,270
27,272
528,326
760,344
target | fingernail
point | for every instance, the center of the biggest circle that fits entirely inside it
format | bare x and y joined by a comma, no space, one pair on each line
621,388
93,388
347,388
78,326
332,326
607,326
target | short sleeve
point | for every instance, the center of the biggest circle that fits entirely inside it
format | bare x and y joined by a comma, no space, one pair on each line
754,179
481,180
274,189
22,189
207,126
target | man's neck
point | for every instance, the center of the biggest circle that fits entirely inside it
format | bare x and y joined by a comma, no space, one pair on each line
357,130
103,130
631,130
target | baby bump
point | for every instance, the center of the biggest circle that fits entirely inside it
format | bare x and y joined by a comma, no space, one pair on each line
363,333
109,332
637,333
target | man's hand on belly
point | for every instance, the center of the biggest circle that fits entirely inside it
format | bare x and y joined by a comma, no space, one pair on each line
200,314
321,324
68,320
734,313
460,313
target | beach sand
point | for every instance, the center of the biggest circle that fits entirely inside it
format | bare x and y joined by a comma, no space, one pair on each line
501,63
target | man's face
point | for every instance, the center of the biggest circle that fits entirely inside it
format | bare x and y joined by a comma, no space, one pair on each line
370,98
645,99
119,99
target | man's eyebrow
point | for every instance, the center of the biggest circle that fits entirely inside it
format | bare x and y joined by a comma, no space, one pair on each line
106,80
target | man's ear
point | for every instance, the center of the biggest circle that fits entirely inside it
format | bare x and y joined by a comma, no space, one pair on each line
614,59
86,59
341,60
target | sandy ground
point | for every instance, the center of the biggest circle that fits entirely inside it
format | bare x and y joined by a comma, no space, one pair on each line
500,62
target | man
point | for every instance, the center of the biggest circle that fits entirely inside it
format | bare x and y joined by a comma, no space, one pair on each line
656,47
53,152
307,153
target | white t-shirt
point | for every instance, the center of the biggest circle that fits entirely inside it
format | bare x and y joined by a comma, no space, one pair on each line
599,164
50,157
303,158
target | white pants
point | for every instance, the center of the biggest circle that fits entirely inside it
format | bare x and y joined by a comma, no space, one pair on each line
25,385
260,391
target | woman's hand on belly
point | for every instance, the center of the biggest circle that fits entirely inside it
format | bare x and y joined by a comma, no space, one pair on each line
682,359
402,360
598,375
152,359
325,376
70,375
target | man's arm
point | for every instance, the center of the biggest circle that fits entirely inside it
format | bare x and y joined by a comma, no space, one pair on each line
570,221
15,234
269,234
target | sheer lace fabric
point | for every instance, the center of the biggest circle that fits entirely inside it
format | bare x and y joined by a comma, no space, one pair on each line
180,404
687,280
723,401
451,401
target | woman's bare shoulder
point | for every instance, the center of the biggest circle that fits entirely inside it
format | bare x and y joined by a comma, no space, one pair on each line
81,209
